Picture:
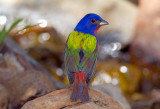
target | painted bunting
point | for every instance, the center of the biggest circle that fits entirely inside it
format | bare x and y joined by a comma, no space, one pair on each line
81,51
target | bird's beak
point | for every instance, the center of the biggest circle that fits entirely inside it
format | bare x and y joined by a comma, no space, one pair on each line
103,22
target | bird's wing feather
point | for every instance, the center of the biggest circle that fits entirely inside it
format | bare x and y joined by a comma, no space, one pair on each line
71,64
89,64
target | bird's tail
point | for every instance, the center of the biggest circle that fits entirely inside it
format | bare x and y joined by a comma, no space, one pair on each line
80,87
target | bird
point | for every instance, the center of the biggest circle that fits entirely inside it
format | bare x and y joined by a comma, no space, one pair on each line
81,52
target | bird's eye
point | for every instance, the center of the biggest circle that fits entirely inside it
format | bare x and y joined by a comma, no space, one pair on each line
93,21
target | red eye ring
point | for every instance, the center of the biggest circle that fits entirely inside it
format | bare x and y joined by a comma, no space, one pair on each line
93,21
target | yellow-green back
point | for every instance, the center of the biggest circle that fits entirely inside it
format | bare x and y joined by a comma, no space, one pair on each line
78,40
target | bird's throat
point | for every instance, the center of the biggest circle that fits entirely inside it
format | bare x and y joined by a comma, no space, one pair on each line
95,32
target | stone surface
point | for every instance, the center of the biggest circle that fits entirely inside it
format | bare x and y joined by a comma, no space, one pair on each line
145,47
27,86
115,92
149,101
60,99
22,77
4,95
24,86
146,42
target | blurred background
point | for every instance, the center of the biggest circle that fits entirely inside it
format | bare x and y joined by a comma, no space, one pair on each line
129,51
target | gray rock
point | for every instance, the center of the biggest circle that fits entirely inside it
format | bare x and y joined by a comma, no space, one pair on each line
4,95
22,76
115,92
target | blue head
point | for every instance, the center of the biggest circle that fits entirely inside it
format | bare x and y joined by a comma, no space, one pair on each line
90,24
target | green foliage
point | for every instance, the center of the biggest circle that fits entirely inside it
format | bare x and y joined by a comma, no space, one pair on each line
26,27
14,24
4,32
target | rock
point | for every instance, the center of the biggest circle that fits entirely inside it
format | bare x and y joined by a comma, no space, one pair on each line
60,99
147,101
4,95
145,46
27,86
115,92
134,1
27,62
23,85
146,43
22,76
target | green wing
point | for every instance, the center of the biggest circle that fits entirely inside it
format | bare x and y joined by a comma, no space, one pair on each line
71,63
88,64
